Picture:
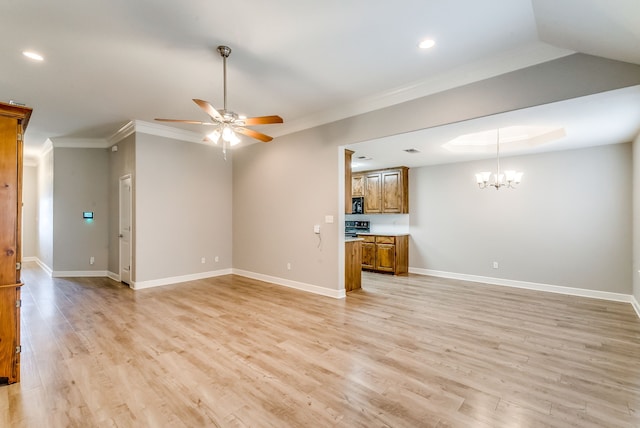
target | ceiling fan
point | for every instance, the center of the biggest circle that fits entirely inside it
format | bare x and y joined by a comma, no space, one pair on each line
226,122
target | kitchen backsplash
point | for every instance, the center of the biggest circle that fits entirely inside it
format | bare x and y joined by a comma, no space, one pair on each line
384,223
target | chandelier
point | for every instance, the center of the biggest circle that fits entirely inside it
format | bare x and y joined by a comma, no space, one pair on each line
509,178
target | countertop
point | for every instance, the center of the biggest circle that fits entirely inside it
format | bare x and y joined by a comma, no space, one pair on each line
352,239
383,234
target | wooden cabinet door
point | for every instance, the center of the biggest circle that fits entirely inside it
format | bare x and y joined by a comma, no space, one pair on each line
391,192
9,333
373,193
368,255
13,123
8,201
357,185
386,257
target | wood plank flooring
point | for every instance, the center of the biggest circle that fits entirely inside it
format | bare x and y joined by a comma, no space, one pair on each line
412,351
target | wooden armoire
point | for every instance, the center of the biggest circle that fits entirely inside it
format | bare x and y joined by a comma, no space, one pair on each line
13,123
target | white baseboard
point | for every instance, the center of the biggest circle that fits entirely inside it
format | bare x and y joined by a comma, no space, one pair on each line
78,273
636,306
65,273
113,276
310,288
582,292
43,266
139,285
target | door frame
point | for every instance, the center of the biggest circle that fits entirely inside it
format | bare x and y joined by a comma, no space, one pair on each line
130,215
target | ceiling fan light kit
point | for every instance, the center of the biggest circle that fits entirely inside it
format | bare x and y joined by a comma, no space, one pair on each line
228,124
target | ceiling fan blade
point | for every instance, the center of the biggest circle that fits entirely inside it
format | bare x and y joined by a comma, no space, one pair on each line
254,134
208,108
262,120
194,122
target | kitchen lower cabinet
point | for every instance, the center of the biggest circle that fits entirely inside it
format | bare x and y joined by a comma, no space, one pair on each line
353,265
369,252
386,253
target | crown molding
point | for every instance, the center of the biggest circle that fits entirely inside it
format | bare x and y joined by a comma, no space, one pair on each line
122,133
46,148
139,126
79,143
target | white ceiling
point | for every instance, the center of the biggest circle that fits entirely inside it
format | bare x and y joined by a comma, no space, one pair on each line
110,61
605,118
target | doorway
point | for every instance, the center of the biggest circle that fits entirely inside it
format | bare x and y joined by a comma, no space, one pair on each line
125,229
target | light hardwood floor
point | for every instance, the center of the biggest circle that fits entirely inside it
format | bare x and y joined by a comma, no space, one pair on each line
402,352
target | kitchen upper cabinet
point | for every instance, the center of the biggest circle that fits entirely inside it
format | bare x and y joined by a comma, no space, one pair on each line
394,191
357,185
385,191
373,193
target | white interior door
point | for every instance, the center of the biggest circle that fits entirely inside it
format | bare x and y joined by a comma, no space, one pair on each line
125,229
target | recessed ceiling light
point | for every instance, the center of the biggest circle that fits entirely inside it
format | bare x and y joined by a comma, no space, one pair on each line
33,55
427,43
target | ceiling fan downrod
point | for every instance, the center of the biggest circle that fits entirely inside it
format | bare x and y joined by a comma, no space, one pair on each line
225,51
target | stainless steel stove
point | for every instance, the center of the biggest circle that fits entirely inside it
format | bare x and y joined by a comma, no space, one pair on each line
353,228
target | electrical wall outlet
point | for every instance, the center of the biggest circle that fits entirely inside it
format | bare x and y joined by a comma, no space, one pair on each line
203,260
495,265
316,228
217,259
92,260
288,266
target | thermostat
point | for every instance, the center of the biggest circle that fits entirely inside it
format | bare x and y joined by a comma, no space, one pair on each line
87,214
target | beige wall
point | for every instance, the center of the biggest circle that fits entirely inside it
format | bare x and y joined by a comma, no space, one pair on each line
568,223
182,208
80,185
45,210
29,211
121,163
281,189
191,204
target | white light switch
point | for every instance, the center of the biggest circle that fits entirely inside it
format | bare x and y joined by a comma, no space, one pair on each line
328,219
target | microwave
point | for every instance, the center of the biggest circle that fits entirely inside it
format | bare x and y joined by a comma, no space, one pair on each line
357,205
